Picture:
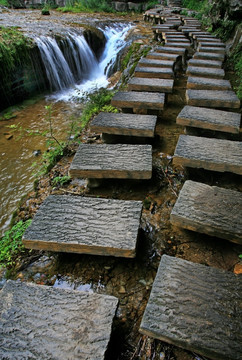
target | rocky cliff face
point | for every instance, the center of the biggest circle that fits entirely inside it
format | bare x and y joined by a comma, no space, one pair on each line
225,10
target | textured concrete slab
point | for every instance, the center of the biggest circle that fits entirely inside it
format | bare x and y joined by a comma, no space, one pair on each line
203,63
154,72
149,84
205,72
156,63
139,100
124,124
85,225
211,49
210,210
208,56
211,119
41,322
204,83
209,153
113,161
212,98
187,305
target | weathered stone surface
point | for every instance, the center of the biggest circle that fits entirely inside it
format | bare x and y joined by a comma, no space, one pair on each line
205,72
85,225
210,44
209,209
172,50
156,63
208,153
118,161
212,98
178,45
40,322
206,39
211,49
195,307
204,83
149,84
202,63
124,124
208,55
179,40
139,100
163,56
209,119
154,72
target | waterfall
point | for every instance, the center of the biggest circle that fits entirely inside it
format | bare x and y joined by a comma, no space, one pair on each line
72,68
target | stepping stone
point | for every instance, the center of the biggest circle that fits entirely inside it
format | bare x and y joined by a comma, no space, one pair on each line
112,161
187,305
213,98
157,63
139,100
124,124
209,153
211,119
177,40
174,50
207,39
210,44
208,56
210,49
42,322
210,210
203,83
149,84
154,72
163,56
85,225
205,72
186,45
203,63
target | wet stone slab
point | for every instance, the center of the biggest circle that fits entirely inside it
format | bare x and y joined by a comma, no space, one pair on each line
205,72
208,56
154,72
40,322
124,124
156,63
205,83
203,43
195,307
211,119
139,100
85,225
211,49
209,153
210,210
212,98
162,56
202,63
112,161
151,84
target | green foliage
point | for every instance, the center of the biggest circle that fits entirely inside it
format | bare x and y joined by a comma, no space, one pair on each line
4,3
11,243
235,60
8,115
87,6
225,29
110,109
61,180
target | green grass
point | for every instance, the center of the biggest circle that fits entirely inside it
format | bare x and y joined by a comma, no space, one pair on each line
11,243
87,6
235,61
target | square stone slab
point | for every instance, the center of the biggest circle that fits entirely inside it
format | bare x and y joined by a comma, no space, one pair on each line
156,63
209,153
210,210
112,161
154,72
124,124
208,56
205,83
163,56
139,100
85,225
202,63
41,322
195,307
205,72
211,49
213,98
204,118
210,43
150,84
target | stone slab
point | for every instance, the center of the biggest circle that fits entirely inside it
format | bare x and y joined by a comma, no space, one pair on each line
210,210
212,98
124,124
202,63
210,44
205,72
209,153
171,50
208,55
211,49
112,161
178,45
204,34
150,84
139,100
211,119
163,56
180,41
41,322
85,225
195,307
154,72
203,38
204,83
156,63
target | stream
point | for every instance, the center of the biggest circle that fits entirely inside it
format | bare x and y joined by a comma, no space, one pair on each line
69,81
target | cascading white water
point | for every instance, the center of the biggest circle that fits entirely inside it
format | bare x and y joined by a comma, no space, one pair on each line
78,71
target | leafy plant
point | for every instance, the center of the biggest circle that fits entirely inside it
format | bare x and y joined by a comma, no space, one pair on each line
11,243
235,61
61,180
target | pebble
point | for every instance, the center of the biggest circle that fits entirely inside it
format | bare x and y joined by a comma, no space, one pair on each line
122,290
238,268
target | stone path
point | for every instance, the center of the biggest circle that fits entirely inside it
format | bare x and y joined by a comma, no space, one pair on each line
41,322
204,83
214,99
187,305
150,84
139,100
